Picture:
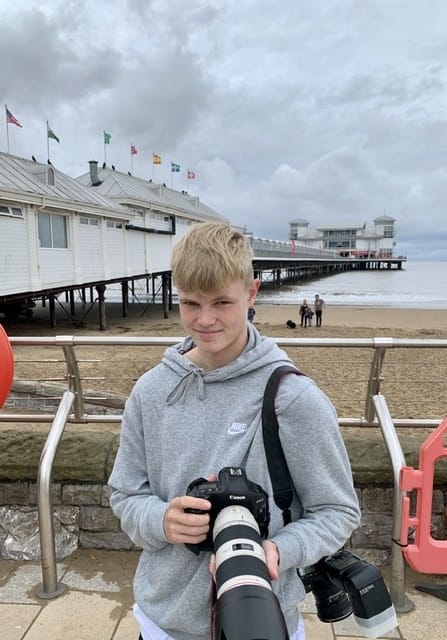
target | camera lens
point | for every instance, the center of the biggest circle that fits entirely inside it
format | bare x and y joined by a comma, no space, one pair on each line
330,597
246,606
240,558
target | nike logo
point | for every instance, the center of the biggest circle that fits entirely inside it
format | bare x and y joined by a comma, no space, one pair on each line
237,427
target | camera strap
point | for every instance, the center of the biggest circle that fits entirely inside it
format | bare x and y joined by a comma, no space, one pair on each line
276,461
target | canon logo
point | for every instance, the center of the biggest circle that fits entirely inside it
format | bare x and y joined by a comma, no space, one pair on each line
237,497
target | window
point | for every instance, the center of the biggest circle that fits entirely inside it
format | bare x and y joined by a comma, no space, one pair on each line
91,221
52,231
111,224
6,210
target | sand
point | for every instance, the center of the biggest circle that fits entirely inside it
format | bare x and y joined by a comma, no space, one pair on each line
413,380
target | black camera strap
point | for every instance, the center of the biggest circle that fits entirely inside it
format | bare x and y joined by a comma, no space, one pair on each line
276,461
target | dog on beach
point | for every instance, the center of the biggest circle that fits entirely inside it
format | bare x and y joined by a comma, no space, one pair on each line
291,324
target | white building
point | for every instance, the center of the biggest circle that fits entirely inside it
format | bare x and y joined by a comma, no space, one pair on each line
349,240
58,233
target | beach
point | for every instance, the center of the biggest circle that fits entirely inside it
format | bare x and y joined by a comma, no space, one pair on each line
413,380
142,319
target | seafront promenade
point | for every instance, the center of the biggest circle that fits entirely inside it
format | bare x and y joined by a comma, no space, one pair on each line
97,604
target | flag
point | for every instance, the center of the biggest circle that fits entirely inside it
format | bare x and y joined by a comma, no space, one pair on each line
190,175
51,134
107,137
10,119
156,159
175,168
133,149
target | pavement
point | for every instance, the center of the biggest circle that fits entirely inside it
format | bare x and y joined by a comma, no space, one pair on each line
96,603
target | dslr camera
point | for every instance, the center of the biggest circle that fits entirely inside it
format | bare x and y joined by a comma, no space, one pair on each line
246,607
343,584
232,488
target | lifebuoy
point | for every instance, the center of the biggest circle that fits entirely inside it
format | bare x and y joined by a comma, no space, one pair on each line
6,366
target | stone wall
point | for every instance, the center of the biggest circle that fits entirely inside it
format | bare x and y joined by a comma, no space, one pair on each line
80,495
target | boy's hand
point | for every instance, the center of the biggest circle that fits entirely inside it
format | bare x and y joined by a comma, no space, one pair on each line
271,558
181,526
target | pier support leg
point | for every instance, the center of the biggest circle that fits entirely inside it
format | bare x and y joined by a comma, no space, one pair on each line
72,302
164,289
101,289
124,297
52,309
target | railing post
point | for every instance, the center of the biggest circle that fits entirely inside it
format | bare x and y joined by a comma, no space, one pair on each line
50,588
74,379
397,586
380,347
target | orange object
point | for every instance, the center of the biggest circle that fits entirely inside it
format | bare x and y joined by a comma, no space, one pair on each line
6,366
424,554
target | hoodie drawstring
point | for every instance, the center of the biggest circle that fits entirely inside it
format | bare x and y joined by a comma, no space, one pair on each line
182,387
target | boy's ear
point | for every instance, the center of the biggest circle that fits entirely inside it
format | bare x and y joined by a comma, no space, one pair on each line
253,290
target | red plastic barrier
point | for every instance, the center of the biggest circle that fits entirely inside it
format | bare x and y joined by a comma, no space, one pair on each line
6,366
424,554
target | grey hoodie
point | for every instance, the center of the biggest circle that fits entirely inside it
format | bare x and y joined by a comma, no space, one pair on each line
181,423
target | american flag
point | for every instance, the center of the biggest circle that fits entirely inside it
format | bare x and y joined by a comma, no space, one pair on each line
10,119
133,149
191,175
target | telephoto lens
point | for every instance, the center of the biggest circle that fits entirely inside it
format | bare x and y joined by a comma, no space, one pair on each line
246,607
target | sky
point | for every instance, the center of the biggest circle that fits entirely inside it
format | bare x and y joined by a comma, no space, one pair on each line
332,111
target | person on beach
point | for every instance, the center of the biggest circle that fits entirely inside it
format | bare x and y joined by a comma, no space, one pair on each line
309,316
318,305
199,410
302,312
251,314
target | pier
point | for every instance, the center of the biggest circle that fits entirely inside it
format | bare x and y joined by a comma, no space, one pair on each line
149,289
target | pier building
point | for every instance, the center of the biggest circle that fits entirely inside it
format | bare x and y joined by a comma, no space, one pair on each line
349,240
62,235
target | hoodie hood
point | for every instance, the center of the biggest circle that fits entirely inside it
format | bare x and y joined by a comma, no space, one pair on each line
259,352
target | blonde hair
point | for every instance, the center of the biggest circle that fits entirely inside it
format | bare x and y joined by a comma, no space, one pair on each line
210,256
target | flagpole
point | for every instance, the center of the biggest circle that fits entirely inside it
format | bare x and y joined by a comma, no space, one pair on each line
172,176
105,159
48,144
7,129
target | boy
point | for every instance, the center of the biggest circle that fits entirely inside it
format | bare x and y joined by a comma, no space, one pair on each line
198,411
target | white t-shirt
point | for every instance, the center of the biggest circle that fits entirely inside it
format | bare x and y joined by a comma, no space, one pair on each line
150,631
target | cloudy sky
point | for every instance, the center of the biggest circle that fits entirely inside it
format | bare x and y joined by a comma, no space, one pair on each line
333,111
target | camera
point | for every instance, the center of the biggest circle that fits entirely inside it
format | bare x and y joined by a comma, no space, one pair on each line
343,584
246,607
232,487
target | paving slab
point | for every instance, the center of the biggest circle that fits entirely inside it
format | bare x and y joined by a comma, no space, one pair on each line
15,620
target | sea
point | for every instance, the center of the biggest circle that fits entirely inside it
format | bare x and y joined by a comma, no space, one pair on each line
416,285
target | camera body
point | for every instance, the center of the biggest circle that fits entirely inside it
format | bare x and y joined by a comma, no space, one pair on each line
231,488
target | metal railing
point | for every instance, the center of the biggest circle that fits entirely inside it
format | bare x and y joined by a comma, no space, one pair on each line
397,581
50,587
72,409
379,346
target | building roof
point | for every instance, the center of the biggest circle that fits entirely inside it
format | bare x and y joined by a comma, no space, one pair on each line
300,221
129,189
384,219
21,178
